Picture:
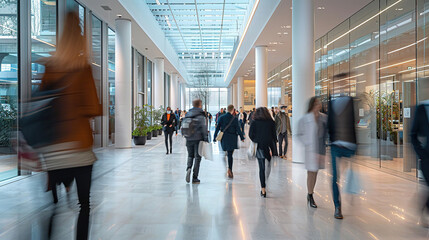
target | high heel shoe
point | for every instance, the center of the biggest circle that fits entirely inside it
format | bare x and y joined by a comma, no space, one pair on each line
310,201
264,195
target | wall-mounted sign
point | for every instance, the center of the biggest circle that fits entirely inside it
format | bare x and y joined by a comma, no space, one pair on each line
407,113
361,112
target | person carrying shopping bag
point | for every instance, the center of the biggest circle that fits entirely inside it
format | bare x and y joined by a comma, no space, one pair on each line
227,131
263,132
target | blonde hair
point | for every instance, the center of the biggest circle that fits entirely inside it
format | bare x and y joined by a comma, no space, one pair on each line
72,47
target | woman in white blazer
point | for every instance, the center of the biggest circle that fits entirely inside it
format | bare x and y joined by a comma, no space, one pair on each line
312,133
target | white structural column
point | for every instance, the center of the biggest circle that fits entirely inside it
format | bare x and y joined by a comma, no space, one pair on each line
183,96
303,67
158,83
234,95
123,101
229,96
174,91
240,92
261,73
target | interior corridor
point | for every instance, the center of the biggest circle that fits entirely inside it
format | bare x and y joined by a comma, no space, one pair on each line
141,193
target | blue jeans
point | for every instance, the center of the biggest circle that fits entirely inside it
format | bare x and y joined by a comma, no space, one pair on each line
337,152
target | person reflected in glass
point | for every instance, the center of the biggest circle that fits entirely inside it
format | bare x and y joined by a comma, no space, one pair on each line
263,132
312,132
169,122
230,128
70,156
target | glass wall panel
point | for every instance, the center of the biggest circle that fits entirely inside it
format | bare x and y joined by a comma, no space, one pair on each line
364,64
217,98
111,71
96,59
149,82
8,86
379,57
43,36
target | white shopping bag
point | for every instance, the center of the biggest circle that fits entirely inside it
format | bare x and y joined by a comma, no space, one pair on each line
251,151
353,182
205,150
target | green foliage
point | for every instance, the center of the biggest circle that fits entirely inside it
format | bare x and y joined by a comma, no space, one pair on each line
7,122
139,132
157,115
141,120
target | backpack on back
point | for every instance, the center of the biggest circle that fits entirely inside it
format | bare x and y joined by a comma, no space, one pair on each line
189,126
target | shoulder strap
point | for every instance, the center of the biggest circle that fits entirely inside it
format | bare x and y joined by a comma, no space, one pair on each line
229,124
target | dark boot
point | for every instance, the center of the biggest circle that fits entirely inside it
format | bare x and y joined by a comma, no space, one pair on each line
311,201
338,214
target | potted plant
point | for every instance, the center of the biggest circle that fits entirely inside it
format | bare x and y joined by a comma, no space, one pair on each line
141,120
155,131
149,132
159,129
139,136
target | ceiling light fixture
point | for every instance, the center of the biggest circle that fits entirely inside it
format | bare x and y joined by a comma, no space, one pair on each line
255,6
402,48
321,8
397,64
366,64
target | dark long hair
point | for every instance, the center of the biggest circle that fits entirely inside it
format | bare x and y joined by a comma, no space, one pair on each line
311,104
263,114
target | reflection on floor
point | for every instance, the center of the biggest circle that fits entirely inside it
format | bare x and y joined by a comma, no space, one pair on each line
141,193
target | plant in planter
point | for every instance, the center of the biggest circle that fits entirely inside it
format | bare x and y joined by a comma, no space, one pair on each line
149,132
155,131
139,136
141,121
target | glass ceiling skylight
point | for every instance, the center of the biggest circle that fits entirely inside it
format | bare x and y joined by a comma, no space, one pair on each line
203,33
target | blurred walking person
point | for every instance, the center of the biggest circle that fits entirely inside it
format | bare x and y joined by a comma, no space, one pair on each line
312,132
194,128
71,157
263,132
243,119
230,129
169,123
342,135
420,141
283,130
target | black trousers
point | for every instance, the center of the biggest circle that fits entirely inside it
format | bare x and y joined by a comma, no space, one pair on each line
168,136
193,154
283,137
83,176
262,175
230,159
425,171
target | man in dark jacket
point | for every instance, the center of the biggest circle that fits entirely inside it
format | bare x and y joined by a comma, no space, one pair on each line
283,130
192,142
341,127
230,127
169,123
420,141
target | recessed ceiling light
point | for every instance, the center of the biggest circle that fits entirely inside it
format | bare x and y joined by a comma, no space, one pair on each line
279,33
288,26
285,33
321,8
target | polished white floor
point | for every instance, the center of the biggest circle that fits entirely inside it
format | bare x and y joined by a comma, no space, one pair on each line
141,193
